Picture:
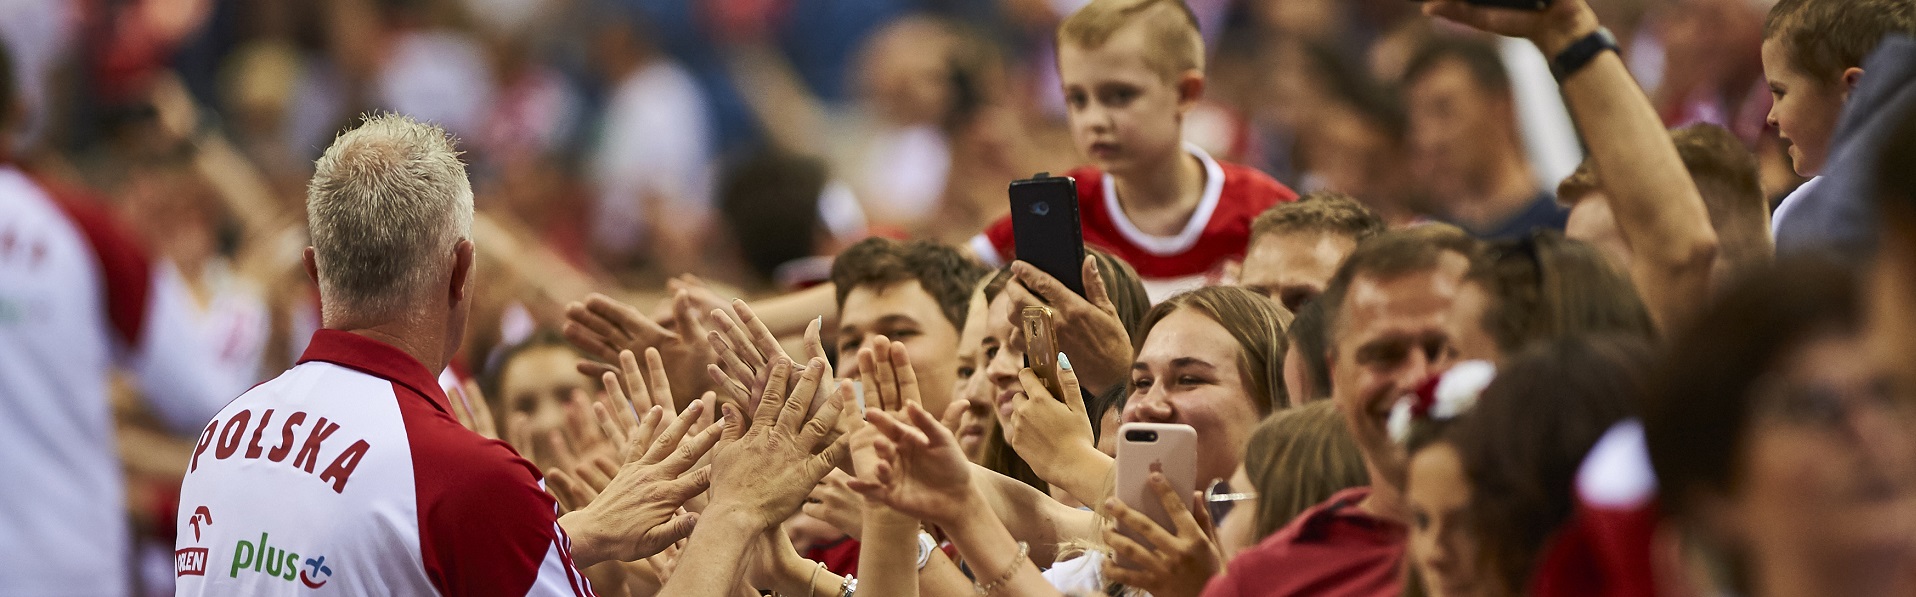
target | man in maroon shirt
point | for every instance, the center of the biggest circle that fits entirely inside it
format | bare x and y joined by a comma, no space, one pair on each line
1401,313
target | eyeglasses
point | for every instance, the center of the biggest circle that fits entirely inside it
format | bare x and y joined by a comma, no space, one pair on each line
1830,407
1219,500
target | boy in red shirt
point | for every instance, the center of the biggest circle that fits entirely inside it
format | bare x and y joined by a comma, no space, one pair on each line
1131,70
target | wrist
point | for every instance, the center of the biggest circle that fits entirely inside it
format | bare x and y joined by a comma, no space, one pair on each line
589,543
1554,40
966,519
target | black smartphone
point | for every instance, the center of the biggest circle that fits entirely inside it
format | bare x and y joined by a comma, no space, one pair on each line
1516,4
1044,222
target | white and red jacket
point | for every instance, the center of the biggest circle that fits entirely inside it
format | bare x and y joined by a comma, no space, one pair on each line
348,475
79,298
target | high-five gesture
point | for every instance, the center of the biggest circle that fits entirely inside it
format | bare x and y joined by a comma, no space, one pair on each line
921,471
760,476
638,513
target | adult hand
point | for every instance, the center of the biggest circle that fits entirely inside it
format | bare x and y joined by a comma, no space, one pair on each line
761,475
1552,29
1054,436
603,328
638,515
1167,564
747,349
921,472
1087,326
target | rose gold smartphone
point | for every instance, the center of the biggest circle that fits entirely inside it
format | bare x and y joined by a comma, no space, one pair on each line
1144,448
1041,349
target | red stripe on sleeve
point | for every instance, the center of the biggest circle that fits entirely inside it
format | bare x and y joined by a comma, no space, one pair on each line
125,268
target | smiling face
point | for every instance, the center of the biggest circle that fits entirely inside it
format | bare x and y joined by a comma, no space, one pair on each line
1395,333
1293,267
1803,108
1125,115
1187,372
1003,351
1442,544
972,384
904,312
1822,491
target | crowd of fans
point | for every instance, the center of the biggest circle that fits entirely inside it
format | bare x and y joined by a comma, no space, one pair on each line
721,297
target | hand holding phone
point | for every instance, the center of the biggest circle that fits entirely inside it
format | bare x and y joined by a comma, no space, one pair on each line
1041,349
1145,448
1046,228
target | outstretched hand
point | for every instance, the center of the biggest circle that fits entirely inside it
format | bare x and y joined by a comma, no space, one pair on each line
920,472
1087,326
762,474
746,351
638,513
1167,563
1054,434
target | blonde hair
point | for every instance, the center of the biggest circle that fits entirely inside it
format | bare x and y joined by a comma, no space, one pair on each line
387,200
1297,459
1172,31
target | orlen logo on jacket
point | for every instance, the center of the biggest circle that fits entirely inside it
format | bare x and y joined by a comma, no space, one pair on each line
278,563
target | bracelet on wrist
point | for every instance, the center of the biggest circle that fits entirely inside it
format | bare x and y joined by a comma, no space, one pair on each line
1017,564
1581,53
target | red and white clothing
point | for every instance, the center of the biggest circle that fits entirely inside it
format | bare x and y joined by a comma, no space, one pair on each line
1197,256
79,298
349,472
1334,548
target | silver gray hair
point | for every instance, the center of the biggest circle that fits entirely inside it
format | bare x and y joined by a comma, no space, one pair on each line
387,202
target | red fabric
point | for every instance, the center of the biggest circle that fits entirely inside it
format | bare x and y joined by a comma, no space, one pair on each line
484,523
1247,193
125,268
1332,549
841,558
1602,553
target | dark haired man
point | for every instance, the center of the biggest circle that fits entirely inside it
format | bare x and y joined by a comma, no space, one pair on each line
916,293
1466,145
1296,247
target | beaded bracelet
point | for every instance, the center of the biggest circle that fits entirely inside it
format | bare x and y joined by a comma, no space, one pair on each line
850,587
1017,564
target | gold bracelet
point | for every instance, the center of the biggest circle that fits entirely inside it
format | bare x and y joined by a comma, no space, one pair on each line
1017,564
811,586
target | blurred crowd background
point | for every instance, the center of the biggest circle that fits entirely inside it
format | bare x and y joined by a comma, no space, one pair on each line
730,147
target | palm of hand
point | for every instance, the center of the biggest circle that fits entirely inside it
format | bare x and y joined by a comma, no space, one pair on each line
929,483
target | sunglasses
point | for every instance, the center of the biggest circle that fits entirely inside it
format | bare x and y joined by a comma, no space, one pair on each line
1219,500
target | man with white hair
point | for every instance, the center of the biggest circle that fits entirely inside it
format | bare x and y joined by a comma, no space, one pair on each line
350,469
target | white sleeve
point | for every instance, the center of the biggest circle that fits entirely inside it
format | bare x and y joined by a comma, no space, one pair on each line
179,371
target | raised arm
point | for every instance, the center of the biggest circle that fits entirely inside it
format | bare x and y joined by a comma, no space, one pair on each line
1658,209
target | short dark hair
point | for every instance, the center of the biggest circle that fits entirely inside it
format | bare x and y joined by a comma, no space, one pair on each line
1476,55
1543,286
945,273
769,201
1308,339
1389,255
1321,211
1825,37
1697,411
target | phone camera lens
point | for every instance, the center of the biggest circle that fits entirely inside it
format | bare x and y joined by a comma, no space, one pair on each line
1141,436
1041,208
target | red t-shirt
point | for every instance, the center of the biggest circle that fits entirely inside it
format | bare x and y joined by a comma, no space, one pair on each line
1334,548
1216,234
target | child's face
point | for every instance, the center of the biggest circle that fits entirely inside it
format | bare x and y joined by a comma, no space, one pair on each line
1124,114
1804,109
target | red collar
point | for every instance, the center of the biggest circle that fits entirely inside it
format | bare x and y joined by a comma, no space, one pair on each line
378,359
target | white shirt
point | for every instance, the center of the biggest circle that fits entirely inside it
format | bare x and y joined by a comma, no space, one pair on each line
77,299
1791,203
655,145
349,472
